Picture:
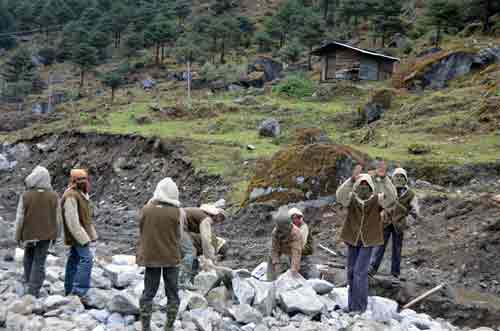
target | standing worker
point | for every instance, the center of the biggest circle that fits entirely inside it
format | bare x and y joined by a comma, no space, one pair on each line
159,250
395,218
79,234
38,221
363,228
307,267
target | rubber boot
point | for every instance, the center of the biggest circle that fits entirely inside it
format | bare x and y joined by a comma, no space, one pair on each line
145,314
171,316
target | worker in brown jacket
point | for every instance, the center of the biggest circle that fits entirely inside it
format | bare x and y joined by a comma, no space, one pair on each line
159,250
38,221
79,234
307,268
363,227
199,239
286,239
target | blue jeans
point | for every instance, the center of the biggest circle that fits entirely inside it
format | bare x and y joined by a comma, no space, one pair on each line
358,262
78,270
189,254
397,245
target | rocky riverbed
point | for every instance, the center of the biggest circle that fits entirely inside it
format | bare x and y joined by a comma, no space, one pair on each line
456,241
246,304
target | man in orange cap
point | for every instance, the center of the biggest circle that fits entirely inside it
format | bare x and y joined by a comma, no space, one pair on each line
79,234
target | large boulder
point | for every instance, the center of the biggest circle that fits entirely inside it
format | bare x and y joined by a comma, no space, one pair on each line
265,296
123,303
303,172
265,69
437,71
245,314
270,128
302,300
243,290
205,281
320,286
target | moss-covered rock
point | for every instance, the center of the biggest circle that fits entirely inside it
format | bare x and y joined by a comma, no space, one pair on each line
301,172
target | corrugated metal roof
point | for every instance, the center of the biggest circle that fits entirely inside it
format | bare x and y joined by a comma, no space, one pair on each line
322,49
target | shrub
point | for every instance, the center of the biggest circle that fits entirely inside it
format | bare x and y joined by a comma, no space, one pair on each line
419,149
298,86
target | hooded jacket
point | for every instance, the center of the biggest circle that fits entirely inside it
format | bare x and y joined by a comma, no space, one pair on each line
199,227
406,204
38,214
364,223
79,228
160,227
307,240
291,246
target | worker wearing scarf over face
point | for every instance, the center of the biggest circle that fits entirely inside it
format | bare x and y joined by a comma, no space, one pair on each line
363,228
395,219
79,234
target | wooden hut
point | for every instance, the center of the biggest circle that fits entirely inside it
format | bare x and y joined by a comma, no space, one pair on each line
342,61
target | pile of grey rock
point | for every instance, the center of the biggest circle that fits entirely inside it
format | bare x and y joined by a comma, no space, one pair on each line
286,304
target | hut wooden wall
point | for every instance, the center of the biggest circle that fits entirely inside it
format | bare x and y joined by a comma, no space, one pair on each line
369,68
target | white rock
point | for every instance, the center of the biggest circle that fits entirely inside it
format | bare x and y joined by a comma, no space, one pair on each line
54,274
340,296
288,282
56,324
124,303
98,298
382,309
243,291
99,315
203,318
245,314
23,306
320,286
15,322
85,321
204,281
265,296
303,300
121,275
115,319
54,301
123,260
36,323
100,328
364,325
197,301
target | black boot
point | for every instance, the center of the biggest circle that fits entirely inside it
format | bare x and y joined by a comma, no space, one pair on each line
146,313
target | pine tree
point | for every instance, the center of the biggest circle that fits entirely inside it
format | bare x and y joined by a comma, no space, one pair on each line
85,57
20,67
113,80
484,9
387,18
7,24
160,31
311,33
442,14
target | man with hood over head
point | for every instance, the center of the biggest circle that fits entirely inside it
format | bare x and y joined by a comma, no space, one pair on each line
395,219
159,250
79,234
38,221
363,228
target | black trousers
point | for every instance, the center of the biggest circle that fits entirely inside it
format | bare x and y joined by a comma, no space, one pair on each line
35,256
152,279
